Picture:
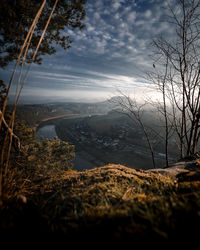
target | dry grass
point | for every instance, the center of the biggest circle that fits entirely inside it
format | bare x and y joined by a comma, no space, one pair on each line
117,203
110,192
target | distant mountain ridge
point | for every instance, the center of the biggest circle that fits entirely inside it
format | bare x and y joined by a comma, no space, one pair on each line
35,113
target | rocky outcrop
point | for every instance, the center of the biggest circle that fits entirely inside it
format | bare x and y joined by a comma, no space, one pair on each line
186,169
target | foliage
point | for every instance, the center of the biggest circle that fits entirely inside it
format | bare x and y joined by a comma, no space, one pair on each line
48,157
36,161
31,158
24,132
16,18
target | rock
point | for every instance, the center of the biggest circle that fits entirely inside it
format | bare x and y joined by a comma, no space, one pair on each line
181,168
172,171
188,176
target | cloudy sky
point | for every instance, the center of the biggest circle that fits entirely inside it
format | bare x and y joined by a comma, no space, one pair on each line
111,53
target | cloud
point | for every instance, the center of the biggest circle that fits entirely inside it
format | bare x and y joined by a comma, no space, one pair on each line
96,16
148,14
85,80
131,17
110,52
116,6
90,27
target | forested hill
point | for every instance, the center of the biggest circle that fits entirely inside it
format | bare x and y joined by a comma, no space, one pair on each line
33,114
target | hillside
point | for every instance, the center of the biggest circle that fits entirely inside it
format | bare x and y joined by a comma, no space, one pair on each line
114,138
34,114
112,202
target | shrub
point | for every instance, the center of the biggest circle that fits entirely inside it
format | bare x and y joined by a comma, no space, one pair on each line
45,158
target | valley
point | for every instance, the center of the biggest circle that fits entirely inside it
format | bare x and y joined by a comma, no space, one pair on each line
109,136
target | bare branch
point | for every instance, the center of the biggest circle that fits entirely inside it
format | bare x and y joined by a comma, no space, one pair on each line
17,143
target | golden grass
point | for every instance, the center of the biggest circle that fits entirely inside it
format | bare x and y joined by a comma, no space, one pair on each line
118,201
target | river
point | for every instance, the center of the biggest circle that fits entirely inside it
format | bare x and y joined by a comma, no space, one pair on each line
49,132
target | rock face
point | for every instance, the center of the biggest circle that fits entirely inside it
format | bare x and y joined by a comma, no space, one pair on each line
187,167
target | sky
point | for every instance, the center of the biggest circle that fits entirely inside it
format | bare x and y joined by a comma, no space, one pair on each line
111,53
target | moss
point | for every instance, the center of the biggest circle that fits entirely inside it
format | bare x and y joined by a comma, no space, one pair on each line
118,202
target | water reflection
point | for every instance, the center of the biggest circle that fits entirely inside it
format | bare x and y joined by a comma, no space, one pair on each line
47,132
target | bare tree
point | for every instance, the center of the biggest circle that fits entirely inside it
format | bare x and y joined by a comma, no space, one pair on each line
177,75
159,81
134,111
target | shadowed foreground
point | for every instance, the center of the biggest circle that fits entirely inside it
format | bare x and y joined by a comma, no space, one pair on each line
112,203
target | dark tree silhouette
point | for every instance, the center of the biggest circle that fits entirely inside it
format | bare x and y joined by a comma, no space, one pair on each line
17,16
177,76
